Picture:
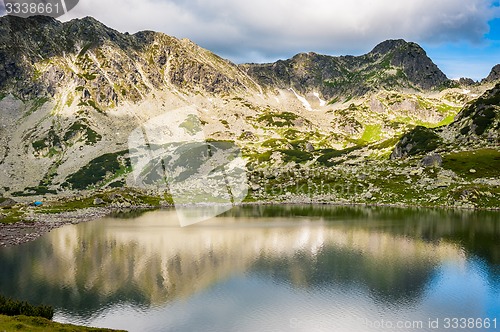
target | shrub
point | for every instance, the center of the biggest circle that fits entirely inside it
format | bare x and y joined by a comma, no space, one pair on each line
11,307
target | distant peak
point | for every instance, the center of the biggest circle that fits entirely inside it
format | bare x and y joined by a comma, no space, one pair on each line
494,74
394,44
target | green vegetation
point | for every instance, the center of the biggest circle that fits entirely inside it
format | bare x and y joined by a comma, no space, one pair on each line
96,171
11,307
36,104
91,136
109,196
484,119
89,77
296,156
31,191
422,140
329,154
484,162
84,49
39,324
275,119
70,100
372,133
52,140
11,216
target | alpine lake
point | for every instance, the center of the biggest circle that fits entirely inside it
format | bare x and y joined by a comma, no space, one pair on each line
268,268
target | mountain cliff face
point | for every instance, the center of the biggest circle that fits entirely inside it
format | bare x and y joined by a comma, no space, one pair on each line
393,64
72,93
494,75
41,56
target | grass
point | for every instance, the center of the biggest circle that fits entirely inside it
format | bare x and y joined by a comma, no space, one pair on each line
295,156
137,197
12,216
51,140
372,133
36,104
484,119
39,324
284,119
328,154
92,137
485,162
96,171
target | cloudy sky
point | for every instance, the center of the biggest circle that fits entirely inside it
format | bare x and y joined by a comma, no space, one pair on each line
461,36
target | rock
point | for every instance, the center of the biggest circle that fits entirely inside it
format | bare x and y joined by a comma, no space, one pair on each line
309,147
255,187
115,197
432,160
494,74
416,172
98,201
8,203
466,81
248,135
443,181
472,170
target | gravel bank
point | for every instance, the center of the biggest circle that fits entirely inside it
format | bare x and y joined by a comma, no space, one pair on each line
39,224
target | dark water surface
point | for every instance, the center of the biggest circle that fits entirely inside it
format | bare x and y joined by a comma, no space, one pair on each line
268,268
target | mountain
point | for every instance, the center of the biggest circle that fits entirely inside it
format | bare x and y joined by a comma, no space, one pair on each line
73,93
393,64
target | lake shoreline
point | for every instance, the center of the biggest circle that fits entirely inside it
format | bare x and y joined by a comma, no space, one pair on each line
38,224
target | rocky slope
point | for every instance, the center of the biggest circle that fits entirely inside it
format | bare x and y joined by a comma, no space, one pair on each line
476,126
72,93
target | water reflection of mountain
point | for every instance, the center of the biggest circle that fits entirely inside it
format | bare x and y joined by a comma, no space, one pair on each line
150,260
478,232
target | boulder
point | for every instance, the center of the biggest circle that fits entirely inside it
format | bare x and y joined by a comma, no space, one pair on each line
432,160
7,203
98,201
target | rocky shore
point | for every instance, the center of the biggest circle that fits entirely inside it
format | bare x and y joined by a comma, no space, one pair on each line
39,224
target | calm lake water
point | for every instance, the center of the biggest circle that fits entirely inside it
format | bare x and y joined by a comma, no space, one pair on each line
268,268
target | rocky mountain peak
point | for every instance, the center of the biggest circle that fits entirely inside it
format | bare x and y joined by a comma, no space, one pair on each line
391,45
494,74
413,61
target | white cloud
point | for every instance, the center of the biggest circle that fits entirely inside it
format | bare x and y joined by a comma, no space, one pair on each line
256,30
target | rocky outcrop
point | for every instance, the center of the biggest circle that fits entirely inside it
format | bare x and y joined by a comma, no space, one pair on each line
494,75
419,140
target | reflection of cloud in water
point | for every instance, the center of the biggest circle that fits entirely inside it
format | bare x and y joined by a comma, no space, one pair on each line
155,261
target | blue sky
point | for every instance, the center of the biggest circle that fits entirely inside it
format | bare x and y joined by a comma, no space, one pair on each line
461,36
466,59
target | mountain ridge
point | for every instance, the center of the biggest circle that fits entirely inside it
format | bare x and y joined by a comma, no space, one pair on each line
402,63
